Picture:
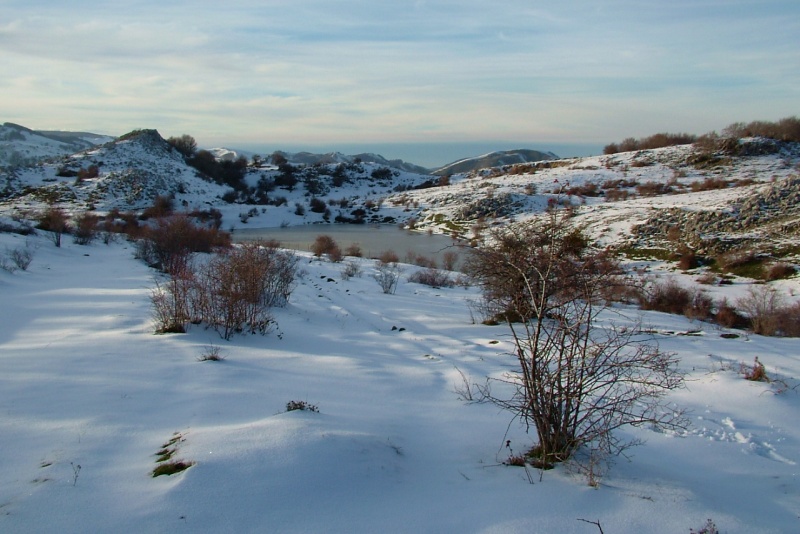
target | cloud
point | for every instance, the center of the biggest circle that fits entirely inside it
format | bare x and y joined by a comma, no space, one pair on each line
362,70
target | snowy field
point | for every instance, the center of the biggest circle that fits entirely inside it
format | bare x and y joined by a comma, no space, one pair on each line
88,395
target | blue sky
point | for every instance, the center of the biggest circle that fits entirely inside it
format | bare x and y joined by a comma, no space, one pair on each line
317,72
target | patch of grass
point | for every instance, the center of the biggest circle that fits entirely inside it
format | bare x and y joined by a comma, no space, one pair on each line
166,465
635,253
171,468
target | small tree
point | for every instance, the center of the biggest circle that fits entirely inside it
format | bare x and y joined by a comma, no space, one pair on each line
576,381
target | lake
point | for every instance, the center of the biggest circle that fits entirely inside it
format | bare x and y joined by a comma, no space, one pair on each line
373,239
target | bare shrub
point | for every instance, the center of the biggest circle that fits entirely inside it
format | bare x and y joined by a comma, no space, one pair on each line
709,184
667,297
325,244
163,206
449,260
211,353
651,189
387,276
166,244
728,316
576,382
351,269
762,305
354,250
232,292
84,229
432,277
658,140
388,256
420,261
789,321
688,259
55,221
21,257
236,288
780,271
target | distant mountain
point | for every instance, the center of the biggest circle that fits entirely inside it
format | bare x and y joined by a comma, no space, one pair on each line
307,158
20,146
493,159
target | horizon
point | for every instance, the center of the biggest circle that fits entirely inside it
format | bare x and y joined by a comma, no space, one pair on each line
428,155
324,74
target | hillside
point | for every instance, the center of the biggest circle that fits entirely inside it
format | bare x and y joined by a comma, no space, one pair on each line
92,401
21,146
648,198
493,159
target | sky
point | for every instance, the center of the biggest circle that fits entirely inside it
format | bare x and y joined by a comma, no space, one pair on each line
279,74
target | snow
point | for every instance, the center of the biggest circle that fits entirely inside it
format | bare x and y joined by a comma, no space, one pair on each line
85,382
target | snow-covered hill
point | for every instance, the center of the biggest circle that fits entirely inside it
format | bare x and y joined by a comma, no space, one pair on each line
20,146
493,159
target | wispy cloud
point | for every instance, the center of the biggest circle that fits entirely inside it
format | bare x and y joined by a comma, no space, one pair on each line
359,70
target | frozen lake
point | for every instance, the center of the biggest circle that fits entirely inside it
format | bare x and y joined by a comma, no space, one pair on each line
373,239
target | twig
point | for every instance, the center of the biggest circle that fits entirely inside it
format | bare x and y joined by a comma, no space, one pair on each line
596,523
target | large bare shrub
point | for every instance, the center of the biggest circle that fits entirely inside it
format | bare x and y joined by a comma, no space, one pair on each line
236,288
231,292
576,381
762,305
168,241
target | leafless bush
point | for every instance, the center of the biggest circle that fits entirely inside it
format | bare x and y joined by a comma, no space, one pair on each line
762,305
325,244
431,277
351,269
211,353
786,129
728,316
232,292
709,184
387,276
20,257
171,301
449,260
651,189
84,229
667,297
388,256
55,221
354,250
789,321
576,382
780,271
420,261
166,244
658,140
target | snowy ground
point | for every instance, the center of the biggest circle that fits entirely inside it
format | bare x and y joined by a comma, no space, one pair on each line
88,395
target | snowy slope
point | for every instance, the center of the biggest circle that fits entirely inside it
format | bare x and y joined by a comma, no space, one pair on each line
21,146
88,395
